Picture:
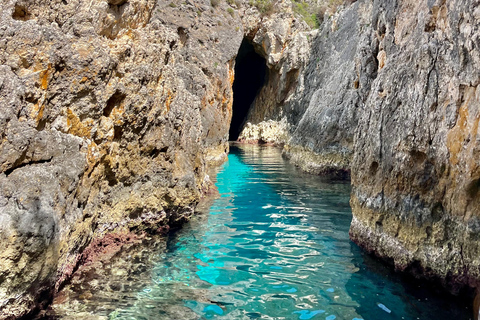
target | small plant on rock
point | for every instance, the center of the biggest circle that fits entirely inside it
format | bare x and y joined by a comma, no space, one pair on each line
265,7
307,12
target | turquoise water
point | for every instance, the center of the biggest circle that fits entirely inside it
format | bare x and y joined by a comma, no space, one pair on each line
275,245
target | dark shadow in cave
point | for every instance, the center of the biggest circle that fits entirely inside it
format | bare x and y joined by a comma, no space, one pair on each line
250,75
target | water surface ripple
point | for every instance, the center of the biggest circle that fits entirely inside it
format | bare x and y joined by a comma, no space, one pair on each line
275,245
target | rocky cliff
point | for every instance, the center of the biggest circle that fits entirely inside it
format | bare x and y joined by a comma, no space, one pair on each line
313,95
388,92
415,169
110,111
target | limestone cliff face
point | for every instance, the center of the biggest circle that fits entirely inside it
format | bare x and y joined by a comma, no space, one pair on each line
389,91
315,90
337,78
110,111
416,165
283,40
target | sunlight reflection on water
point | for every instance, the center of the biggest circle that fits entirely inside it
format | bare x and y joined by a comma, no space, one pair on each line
275,245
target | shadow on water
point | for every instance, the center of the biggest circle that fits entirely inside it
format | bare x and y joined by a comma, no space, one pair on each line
400,296
273,244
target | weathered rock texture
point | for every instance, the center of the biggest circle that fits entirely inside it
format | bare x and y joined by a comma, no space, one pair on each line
109,112
389,90
282,40
416,165
336,80
270,131
314,91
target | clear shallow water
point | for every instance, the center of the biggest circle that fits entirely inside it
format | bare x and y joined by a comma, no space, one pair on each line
273,245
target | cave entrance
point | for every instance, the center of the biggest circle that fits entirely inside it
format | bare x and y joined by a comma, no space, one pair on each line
250,75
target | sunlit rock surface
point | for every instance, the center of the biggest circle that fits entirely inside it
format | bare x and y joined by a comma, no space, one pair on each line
109,114
275,132
416,164
389,92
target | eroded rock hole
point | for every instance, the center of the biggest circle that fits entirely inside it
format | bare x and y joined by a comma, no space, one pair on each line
117,2
473,188
21,13
114,101
110,175
182,34
250,76
373,168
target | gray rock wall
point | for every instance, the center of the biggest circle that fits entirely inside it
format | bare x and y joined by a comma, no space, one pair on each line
336,81
315,89
389,91
415,168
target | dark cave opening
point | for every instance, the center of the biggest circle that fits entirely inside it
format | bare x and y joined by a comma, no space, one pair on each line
250,76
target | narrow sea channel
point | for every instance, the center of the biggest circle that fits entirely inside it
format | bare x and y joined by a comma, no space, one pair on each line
273,245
